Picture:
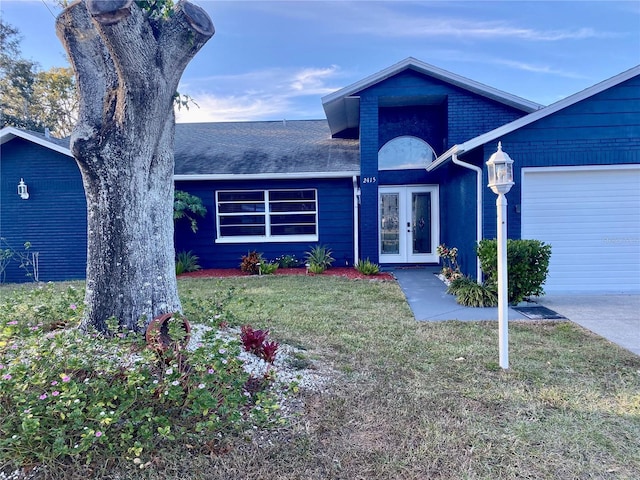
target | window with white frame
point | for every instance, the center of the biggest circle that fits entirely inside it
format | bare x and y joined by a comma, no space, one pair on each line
267,215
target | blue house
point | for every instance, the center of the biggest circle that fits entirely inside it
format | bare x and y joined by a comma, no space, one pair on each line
395,169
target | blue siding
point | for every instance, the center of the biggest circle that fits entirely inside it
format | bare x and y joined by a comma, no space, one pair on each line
458,213
442,115
53,219
600,130
335,219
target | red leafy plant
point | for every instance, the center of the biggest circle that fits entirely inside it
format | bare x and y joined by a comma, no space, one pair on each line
255,341
269,350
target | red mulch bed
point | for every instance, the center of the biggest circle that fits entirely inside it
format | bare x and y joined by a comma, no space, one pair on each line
338,272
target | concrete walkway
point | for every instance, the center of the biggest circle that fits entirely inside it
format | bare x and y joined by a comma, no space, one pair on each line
429,300
614,317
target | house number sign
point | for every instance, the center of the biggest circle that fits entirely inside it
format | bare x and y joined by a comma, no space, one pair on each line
369,180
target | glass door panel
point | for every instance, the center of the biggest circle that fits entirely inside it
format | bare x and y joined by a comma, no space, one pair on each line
389,224
421,222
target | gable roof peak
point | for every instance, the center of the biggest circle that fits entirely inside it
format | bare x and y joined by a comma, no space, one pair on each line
342,106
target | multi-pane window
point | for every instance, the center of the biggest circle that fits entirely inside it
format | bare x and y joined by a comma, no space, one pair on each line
267,215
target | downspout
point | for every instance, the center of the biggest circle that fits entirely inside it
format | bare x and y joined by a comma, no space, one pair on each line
478,170
356,226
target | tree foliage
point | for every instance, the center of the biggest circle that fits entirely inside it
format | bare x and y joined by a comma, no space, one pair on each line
31,98
188,206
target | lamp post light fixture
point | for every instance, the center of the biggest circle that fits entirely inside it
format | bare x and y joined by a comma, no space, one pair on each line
22,190
500,169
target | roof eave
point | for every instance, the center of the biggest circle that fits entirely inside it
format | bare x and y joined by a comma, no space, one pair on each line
264,176
9,133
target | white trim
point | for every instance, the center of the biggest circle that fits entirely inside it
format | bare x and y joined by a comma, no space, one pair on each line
12,132
574,168
267,238
439,73
356,224
264,176
274,239
404,207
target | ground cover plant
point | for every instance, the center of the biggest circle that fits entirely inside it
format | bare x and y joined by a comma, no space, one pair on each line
411,400
367,267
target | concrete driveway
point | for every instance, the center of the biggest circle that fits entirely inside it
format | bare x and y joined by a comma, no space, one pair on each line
614,317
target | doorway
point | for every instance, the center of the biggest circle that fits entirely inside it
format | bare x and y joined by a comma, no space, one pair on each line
408,224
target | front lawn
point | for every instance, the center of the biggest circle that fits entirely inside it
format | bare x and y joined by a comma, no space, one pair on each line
409,400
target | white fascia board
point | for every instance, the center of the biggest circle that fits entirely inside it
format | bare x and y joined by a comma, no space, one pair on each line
430,70
264,176
9,133
442,158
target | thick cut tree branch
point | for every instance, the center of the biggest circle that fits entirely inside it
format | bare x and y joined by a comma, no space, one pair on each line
197,18
95,74
109,12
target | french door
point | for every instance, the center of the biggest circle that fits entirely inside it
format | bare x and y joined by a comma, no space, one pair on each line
408,224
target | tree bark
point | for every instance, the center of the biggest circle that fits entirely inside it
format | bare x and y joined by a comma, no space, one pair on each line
128,64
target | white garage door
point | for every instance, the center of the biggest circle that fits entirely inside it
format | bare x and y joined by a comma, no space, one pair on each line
591,218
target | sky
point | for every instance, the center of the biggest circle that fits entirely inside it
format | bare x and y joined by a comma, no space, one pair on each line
274,60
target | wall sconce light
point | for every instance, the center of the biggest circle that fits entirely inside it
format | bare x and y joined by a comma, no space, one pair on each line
22,190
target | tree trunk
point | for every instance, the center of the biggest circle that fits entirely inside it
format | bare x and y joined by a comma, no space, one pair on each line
128,63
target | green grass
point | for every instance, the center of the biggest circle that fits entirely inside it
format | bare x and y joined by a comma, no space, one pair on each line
416,400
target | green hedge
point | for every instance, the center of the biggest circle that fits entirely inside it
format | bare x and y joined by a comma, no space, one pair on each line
528,266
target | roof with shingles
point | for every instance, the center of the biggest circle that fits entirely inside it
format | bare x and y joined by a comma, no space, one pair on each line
276,148
280,147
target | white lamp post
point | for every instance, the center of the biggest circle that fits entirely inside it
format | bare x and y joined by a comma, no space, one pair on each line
500,167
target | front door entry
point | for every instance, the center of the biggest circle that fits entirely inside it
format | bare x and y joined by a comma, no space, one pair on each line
408,224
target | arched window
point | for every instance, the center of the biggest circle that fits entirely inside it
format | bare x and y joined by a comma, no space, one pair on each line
405,152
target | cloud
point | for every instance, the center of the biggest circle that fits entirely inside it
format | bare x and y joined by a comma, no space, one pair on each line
401,25
266,94
213,108
310,81
530,67
426,20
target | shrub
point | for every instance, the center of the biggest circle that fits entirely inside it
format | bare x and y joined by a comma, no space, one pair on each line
319,258
251,263
187,262
367,267
528,266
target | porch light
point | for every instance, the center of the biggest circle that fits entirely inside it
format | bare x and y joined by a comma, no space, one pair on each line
22,190
500,169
